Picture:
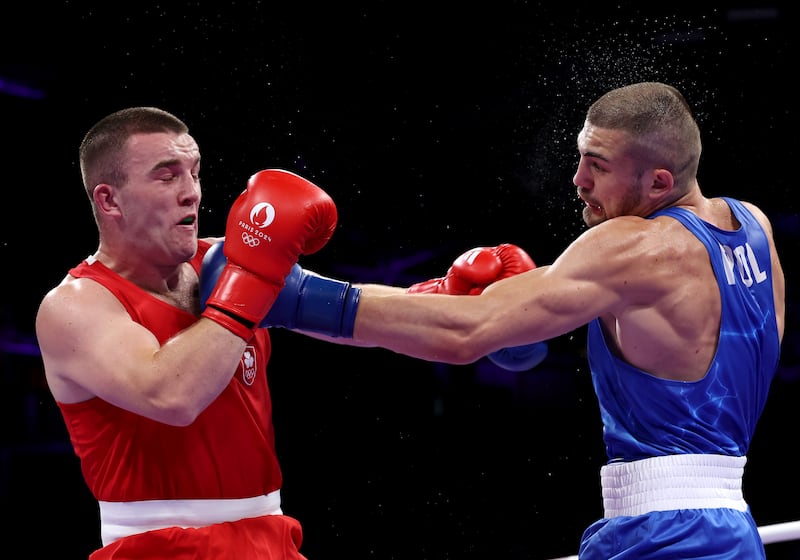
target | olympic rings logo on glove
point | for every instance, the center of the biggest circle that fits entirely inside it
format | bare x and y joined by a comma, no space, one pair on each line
250,240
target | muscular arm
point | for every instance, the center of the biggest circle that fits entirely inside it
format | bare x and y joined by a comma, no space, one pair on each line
91,347
606,267
461,329
530,307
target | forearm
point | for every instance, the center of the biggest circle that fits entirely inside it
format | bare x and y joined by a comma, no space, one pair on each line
191,370
375,290
427,326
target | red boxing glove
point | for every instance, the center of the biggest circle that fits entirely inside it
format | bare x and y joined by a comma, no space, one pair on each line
279,217
470,274
477,268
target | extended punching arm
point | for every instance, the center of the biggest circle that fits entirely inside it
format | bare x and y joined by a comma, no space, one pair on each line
317,304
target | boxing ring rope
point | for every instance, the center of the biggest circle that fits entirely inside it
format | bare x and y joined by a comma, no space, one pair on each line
779,532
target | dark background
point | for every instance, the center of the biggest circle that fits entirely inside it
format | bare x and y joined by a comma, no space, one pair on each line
435,128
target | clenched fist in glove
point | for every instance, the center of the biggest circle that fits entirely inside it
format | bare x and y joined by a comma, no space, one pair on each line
470,274
277,218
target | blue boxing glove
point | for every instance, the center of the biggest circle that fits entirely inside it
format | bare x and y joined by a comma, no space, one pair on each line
520,358
307,301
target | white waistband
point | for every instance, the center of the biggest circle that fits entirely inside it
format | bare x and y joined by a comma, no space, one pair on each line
673,482
120,519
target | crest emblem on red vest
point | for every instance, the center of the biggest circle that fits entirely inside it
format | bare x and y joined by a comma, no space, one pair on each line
248,365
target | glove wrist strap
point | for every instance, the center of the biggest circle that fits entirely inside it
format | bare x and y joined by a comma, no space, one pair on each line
238,326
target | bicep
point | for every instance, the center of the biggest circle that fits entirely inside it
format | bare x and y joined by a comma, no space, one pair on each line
548,302
90,346
598,274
